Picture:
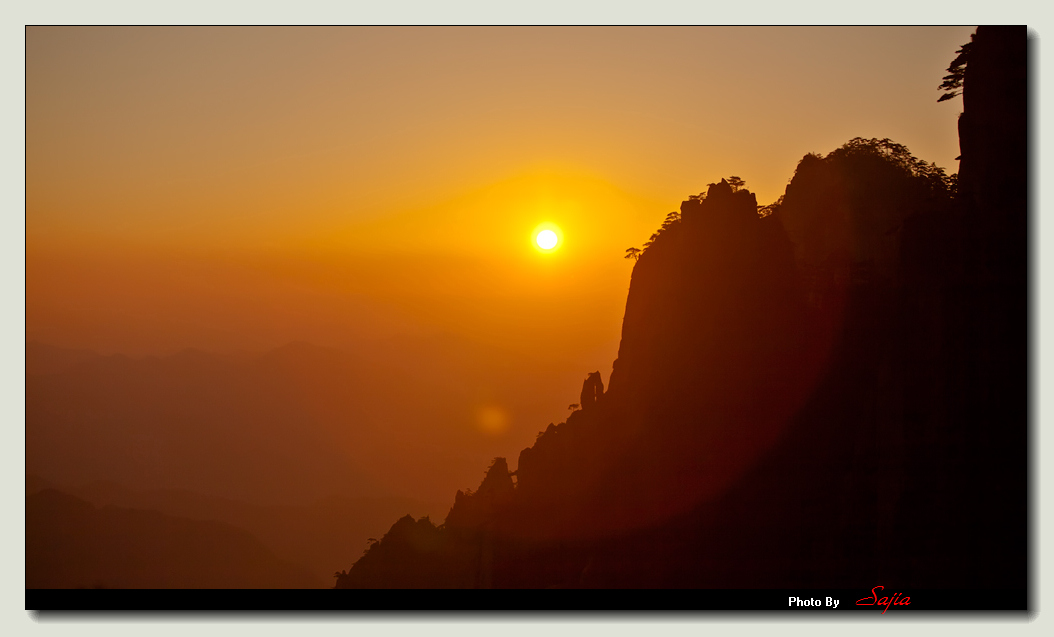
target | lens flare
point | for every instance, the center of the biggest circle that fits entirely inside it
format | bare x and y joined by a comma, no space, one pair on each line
491,419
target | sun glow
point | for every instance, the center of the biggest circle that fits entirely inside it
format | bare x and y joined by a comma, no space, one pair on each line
547,237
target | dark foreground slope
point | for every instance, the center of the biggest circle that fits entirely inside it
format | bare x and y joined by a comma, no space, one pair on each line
830,395
72,544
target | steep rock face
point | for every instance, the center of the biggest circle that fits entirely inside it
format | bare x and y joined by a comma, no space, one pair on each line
714,320
963,350
981,483
993,134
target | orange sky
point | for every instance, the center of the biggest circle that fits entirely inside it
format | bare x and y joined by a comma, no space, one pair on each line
230,188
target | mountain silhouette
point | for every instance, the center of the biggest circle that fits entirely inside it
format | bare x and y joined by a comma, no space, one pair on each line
820,393
314,535
72,544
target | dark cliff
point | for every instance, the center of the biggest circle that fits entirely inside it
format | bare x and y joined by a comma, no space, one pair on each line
827,395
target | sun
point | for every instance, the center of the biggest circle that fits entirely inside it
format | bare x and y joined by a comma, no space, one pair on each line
547,237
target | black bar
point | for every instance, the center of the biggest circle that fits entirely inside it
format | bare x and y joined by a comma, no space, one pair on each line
888,600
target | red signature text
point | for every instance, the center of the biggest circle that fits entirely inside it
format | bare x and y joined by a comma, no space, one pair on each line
875,600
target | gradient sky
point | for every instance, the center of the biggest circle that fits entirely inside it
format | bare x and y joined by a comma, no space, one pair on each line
240,188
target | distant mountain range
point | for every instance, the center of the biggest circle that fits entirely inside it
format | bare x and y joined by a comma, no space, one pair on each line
72,544
305,447
317,537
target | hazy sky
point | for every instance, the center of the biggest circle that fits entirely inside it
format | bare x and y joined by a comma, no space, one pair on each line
244,187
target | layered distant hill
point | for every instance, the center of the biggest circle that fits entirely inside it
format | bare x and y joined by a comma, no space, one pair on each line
825,393
317,535
291,445
72,544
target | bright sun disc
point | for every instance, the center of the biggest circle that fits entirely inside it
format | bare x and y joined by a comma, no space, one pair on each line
546,239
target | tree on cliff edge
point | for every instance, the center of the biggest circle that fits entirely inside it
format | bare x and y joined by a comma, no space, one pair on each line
953,82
